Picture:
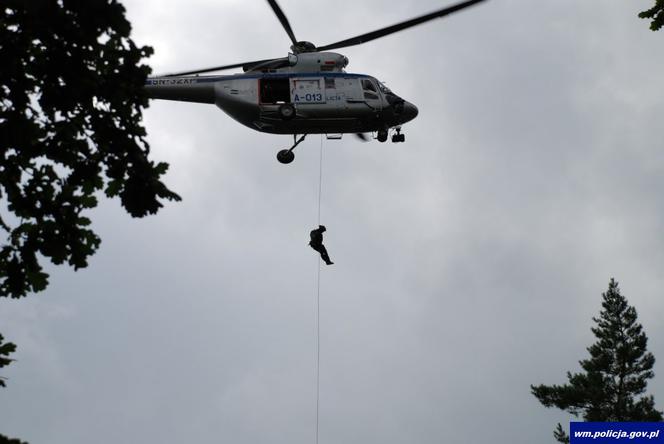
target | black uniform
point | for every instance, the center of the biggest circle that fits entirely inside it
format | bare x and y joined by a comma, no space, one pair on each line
317,243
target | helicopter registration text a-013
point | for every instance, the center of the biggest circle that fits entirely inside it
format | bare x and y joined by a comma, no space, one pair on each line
307,92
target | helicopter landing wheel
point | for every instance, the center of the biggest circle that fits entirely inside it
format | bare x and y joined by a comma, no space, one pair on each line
398,137
286,111
382,136
285,156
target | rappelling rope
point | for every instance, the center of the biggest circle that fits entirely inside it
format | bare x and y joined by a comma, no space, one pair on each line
320,176
320,189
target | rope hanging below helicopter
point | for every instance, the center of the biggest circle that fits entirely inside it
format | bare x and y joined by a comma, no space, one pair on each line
320,190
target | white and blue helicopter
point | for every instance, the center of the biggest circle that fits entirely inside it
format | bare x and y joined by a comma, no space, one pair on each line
307,92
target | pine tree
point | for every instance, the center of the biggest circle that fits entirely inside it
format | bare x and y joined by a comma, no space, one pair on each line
614,380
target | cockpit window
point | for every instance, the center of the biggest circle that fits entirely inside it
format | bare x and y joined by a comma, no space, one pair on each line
369,88
368,85
384,89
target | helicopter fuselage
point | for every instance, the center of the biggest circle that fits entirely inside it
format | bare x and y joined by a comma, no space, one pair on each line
325,101
307,92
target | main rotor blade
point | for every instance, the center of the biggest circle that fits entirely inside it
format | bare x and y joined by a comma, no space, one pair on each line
282,18
268,64
216,68
398,27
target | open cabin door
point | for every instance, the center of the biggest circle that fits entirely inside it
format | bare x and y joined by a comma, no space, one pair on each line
274,90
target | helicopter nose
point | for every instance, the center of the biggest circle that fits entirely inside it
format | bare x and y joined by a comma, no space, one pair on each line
409,112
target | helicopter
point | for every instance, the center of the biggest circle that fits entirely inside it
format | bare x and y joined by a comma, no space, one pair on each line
306,92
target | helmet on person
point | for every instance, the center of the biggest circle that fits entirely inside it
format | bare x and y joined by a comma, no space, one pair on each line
322,227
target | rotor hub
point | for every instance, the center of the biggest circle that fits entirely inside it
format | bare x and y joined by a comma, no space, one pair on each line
303,46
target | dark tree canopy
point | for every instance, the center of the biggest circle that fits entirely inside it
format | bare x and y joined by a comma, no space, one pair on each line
615,377
6,348
655,14
71,100
5,440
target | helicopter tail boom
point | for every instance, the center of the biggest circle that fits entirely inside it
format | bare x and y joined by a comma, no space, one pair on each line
183,89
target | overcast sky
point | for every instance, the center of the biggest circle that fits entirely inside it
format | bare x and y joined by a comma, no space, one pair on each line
469,260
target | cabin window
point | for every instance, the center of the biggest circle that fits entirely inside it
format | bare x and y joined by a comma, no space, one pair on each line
330,83
275,90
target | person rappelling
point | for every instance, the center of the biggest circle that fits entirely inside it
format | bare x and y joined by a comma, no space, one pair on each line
317,243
